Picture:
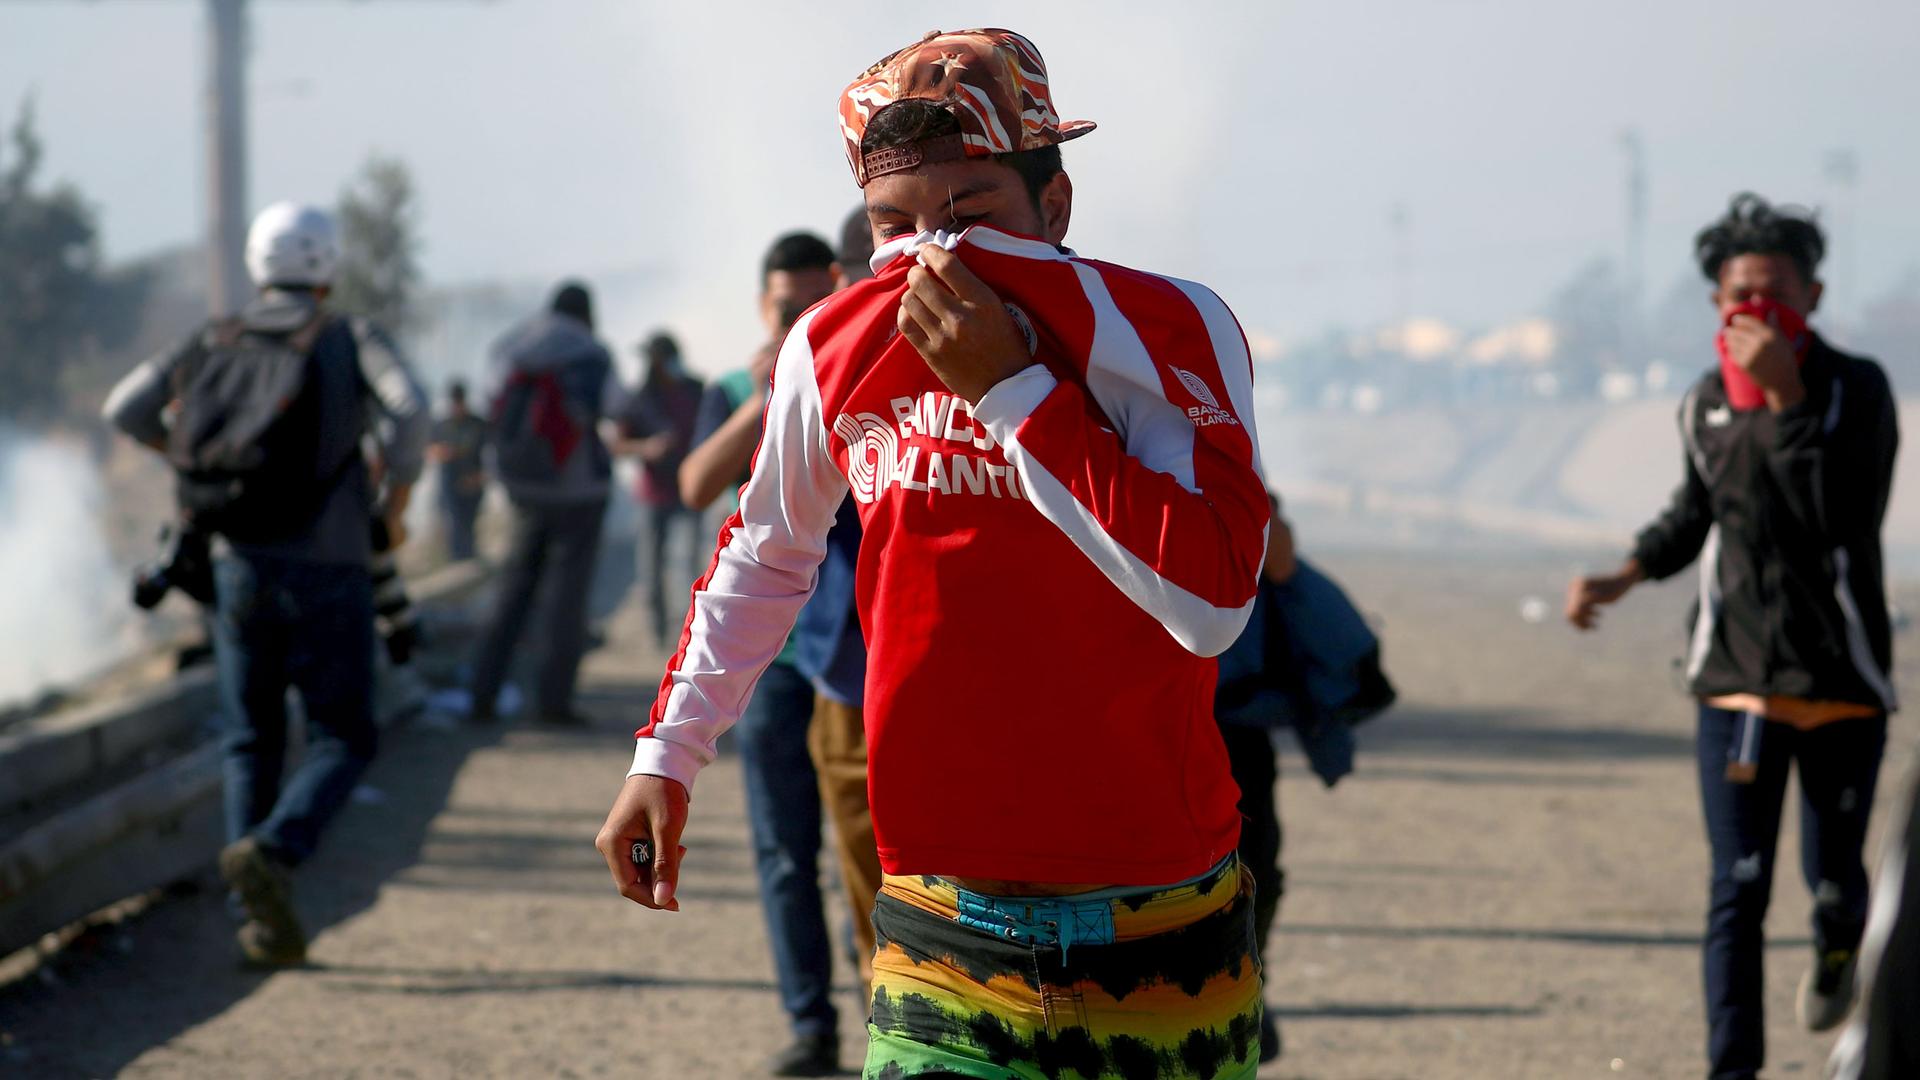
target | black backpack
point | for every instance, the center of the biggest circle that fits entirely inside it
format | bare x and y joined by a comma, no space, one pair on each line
245,443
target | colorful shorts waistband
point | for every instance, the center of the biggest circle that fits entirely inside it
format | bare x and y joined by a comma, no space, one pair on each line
1101,917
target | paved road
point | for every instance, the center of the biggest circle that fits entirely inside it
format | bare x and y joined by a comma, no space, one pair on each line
1512,886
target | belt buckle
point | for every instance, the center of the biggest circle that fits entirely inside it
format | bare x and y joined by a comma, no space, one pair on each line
1029,923
1041,923
1058,923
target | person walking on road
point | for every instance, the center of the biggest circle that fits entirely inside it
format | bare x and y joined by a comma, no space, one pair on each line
1308,661
551,383
263,416
459,437
657,428
783,792
830,651
1790,445
1252,698
1053,460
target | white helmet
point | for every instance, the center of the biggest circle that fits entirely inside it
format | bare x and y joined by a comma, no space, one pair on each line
291,244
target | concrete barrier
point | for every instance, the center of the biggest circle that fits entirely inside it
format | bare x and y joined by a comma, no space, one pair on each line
158,825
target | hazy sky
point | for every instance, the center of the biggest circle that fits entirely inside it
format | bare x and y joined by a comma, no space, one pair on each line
1257,147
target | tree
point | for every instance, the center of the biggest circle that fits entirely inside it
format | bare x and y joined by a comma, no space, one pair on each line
57,305
379,244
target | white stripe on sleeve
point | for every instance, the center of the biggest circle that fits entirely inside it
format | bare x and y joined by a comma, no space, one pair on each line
761,577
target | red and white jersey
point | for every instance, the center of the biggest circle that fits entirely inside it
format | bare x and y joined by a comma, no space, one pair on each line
1043,580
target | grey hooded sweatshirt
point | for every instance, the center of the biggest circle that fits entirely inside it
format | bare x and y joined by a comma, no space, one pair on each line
551,344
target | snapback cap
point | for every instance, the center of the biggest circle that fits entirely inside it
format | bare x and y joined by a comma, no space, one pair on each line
994,82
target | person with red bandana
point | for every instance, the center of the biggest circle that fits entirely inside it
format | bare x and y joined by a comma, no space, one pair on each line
1054,464
1790,445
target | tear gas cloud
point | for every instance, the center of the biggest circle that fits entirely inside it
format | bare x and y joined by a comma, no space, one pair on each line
65,611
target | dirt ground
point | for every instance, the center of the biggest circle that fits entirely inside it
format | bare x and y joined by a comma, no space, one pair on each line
1512,885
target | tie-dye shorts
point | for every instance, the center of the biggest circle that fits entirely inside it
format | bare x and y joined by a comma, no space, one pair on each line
1131,984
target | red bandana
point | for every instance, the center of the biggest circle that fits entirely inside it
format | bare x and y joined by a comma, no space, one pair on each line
1742,392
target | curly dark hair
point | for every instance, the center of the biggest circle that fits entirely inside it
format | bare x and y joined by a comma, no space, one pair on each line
1753,226
904,123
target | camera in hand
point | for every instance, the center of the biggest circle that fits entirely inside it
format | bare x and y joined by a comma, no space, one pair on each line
186,564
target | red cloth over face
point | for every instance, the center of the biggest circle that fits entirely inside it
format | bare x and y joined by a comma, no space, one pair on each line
1742,392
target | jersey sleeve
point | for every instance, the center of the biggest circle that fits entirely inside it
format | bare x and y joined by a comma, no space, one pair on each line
761,575
1170,506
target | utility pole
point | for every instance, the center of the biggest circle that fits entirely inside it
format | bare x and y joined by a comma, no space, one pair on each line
226,161
1634,270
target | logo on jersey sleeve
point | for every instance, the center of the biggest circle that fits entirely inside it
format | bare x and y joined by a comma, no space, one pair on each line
932,443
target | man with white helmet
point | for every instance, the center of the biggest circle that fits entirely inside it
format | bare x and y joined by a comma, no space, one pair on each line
262,416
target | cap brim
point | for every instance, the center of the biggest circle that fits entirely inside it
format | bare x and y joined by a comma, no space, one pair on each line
1073,129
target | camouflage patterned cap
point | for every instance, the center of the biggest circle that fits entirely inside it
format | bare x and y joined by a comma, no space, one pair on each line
993,81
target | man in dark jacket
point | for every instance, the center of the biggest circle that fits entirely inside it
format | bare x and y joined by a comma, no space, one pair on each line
1251,700
1306,660
1790,446
552,383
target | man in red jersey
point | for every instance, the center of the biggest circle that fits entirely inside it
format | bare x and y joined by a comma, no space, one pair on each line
1053,460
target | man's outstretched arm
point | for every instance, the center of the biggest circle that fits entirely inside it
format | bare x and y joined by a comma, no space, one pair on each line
760,577
1664,548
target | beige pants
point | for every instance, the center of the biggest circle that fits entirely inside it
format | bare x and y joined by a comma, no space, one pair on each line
837,741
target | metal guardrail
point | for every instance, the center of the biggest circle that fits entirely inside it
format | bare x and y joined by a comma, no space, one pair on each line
41,758
157,827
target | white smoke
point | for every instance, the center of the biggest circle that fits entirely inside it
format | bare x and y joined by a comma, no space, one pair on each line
63,597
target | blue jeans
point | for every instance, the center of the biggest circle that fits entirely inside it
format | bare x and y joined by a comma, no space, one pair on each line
280,624
461,509
667,598
550,559
1839,763
783,812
